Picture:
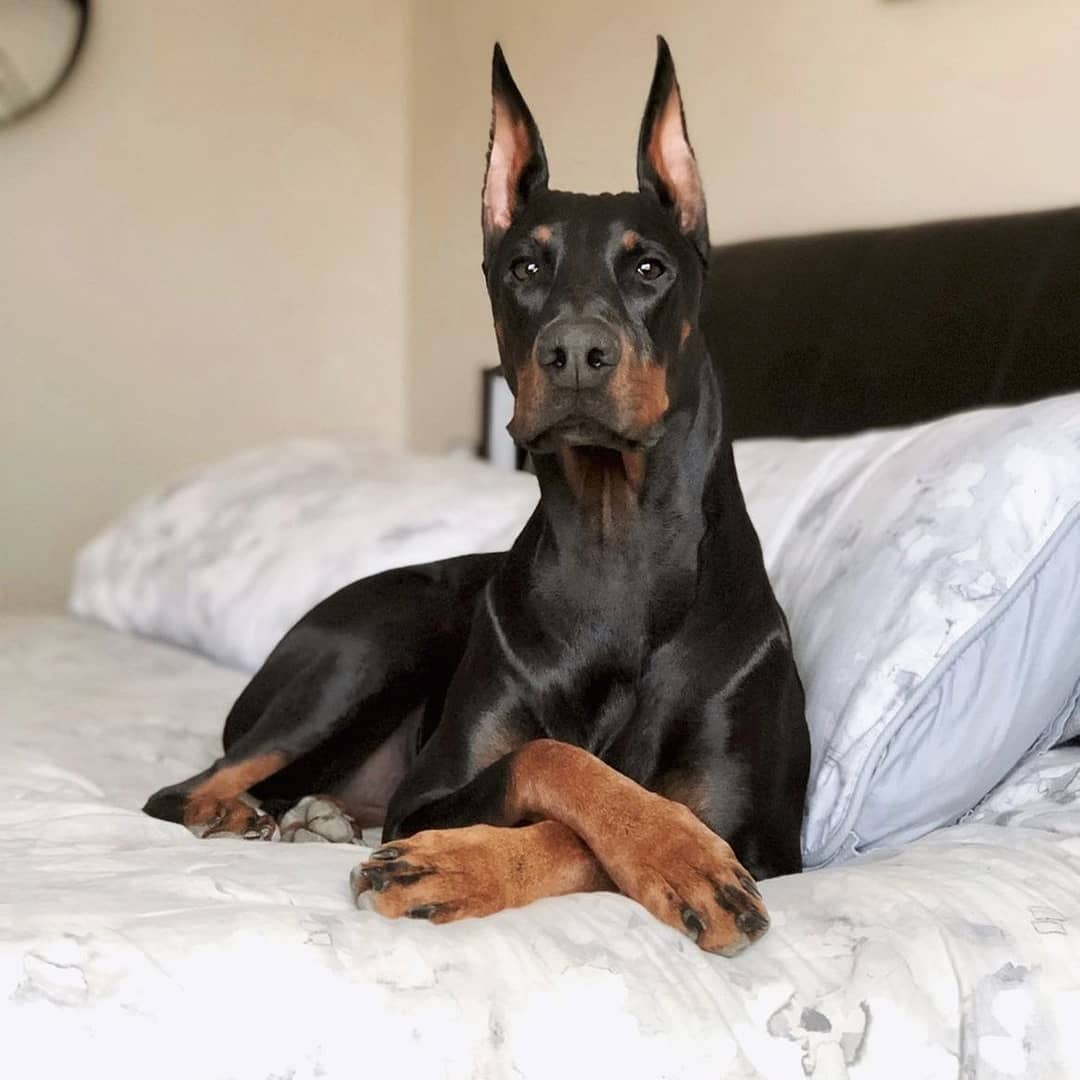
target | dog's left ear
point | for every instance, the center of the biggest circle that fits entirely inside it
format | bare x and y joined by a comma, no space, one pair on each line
517,165
666,166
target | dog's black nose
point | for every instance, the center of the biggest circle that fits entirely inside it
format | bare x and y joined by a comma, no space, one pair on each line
578,353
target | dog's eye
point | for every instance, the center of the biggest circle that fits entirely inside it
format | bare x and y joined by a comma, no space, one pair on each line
649,269
523,269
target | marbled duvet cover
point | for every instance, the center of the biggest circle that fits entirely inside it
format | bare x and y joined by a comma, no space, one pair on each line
130,949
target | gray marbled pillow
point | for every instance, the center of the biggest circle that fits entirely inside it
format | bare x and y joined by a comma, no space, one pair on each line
227,559
931,577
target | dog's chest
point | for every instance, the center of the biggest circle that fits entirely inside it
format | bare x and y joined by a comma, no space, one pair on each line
584,636
598,677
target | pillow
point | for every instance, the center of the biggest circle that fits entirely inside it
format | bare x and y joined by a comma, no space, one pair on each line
226,560
931,579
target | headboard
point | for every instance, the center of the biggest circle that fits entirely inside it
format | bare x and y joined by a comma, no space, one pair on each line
826,334
820,335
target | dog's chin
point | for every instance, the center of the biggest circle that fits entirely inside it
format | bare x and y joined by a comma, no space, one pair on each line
584,433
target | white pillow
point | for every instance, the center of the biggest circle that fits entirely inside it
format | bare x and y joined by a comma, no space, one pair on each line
931,577
226,560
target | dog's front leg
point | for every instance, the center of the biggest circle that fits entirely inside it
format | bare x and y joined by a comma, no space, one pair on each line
596,828
655,850
448,874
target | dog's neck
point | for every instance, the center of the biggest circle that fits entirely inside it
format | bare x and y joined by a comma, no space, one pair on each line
627,506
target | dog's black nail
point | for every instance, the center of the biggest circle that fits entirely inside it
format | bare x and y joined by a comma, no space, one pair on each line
730,899
752,923
747,882
385,853
424,912
692,921
376,878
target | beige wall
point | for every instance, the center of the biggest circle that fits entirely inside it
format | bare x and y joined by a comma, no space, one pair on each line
252,218
201,243
805,114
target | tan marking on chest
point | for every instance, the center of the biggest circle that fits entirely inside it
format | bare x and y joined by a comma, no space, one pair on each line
603,485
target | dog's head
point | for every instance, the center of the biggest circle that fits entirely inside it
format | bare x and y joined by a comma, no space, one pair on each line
595,297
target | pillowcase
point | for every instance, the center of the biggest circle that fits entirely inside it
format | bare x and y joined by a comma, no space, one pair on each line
226,560
931,579
930,575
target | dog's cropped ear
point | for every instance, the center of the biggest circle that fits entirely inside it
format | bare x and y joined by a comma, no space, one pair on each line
666,166
516,163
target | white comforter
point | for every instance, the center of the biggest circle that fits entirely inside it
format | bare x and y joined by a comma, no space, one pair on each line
130,949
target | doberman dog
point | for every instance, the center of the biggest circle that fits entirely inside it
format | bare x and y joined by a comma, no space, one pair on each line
599,706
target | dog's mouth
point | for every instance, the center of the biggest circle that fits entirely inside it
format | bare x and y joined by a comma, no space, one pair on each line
577,430
583,432
604,467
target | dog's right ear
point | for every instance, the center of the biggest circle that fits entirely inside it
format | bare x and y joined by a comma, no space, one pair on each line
516,163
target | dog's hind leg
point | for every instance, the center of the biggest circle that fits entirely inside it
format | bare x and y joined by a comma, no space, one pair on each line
339,685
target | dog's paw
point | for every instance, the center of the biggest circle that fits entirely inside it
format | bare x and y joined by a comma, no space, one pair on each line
440,875
318,819
217,818
689,878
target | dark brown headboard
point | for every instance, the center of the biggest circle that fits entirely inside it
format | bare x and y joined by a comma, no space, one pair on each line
826,334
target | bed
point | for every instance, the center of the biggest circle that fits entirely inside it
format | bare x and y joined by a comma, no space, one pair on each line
131,949
943,943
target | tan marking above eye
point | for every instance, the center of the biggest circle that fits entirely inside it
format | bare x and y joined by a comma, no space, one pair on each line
542,234
630,240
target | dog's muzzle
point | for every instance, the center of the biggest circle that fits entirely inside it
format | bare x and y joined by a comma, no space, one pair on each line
584,385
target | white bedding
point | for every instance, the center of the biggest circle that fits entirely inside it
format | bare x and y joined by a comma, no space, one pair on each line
130,949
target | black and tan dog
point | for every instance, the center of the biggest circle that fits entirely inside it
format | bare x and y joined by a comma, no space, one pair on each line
612,704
